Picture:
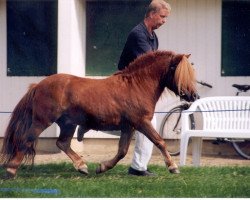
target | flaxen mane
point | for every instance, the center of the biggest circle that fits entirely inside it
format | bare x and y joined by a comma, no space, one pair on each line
146,60
185,76
144,66
152,65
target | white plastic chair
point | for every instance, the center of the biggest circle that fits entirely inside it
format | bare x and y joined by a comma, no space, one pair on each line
222,117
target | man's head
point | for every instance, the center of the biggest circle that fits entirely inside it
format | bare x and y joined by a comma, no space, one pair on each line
157,13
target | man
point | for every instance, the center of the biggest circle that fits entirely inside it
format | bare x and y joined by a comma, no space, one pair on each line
140,40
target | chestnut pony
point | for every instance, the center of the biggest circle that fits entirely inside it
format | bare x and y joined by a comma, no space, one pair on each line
124,101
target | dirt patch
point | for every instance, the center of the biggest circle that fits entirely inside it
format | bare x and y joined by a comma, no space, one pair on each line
96,150
156,158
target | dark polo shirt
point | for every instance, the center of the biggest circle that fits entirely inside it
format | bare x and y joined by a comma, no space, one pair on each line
139,41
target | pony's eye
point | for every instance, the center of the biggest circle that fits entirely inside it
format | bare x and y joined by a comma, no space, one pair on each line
172,68
182,93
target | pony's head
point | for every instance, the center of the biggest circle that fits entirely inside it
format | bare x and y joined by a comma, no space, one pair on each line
181,78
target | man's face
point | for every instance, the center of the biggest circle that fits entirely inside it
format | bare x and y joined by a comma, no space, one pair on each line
159,18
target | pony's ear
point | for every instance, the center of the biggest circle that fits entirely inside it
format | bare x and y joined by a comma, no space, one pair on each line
188,55
177,59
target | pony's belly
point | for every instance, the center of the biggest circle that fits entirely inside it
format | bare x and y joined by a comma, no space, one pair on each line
102,127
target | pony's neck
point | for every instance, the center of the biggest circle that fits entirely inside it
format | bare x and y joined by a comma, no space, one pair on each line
147,73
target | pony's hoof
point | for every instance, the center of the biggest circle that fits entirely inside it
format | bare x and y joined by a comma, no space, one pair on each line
174,169
8,176
83,170
100,169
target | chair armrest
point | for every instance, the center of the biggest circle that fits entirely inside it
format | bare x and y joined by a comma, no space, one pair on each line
185,119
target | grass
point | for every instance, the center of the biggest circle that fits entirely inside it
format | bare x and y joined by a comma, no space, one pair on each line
192,182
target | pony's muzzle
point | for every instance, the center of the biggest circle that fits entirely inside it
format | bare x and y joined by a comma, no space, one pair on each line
189,97
194,97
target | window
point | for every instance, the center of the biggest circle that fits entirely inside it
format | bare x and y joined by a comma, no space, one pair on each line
108,25
235,38
31,37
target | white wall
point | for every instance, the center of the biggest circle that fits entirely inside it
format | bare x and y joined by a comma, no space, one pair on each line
12,88
195,27
71,37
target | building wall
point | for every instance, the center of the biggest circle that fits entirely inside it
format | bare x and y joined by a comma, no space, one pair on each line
194,26
12,88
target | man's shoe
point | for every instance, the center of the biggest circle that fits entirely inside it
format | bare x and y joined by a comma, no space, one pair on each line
132,171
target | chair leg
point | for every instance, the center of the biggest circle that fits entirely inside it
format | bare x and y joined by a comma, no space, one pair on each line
196,150
183,150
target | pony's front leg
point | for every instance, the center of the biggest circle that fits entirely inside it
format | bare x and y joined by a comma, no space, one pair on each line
147,129
124,142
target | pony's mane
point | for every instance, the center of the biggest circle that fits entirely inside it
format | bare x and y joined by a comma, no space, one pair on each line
146,60
185,76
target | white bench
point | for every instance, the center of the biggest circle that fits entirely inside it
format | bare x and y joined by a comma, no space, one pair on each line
222,117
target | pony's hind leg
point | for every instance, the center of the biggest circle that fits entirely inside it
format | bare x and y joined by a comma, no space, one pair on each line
124,142
63,143
13,165
26,148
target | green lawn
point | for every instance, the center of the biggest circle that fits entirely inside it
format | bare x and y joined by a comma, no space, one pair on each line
63,181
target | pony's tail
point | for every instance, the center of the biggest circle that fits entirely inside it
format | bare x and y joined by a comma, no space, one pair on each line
185,76
20,122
